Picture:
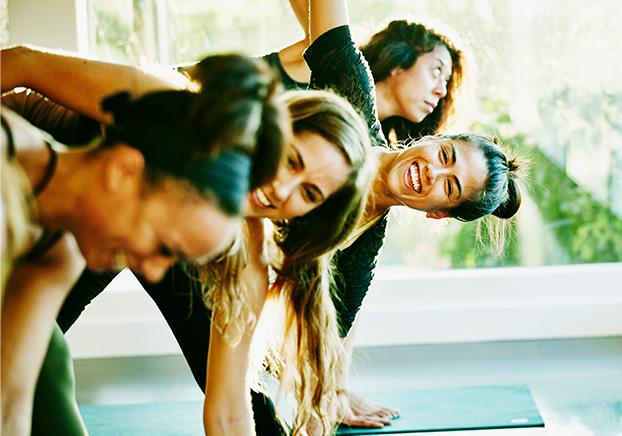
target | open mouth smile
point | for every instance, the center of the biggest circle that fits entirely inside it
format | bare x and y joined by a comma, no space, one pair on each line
413,177
261,199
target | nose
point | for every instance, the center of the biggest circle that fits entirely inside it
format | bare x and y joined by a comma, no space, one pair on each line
284,185
440,90
153,268
433,172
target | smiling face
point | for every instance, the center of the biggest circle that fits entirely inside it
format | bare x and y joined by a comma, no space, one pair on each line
312,171
416,91
127,221
436,175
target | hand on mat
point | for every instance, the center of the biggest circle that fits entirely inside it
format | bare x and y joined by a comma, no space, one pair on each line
364,413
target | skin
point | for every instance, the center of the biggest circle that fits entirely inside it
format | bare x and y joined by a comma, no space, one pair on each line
413,93
105,205
302,182
444,174
289,189
313,169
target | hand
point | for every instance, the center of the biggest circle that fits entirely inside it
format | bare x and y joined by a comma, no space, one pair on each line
364,413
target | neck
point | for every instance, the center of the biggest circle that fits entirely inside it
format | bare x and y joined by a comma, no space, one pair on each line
381,197
59,202
384,102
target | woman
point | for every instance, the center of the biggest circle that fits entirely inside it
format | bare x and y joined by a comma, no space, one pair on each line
358,268
420,75
120,200
325,170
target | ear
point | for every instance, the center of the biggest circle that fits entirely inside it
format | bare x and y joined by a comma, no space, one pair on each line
437,214
124,168
396,71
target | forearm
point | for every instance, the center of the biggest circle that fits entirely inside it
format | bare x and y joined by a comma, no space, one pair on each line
33,296
326,15
227,408
77,83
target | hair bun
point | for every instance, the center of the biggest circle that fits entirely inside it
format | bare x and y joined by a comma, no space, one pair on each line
117,104
510,206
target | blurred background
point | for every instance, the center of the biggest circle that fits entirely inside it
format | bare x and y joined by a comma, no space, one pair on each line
548,83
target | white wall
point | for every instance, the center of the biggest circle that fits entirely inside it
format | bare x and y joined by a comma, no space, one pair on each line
53,24
403,307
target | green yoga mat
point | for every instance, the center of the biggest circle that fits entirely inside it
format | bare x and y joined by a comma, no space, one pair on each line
422,411
468,408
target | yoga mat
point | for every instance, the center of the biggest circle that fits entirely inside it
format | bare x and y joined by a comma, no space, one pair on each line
470,408
178,418
467,408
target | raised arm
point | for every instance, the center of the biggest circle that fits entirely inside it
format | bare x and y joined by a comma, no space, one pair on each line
78,83
320,16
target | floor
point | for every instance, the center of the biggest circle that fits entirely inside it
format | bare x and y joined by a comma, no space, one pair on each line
576,383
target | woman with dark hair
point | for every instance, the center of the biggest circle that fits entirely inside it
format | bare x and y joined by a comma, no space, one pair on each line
465,176
126,199
313,203
425,175
420,75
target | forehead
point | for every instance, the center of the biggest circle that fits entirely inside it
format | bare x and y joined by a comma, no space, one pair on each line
439,54
471,167
325,165
189,224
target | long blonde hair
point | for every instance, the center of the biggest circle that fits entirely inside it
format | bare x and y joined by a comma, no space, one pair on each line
308,359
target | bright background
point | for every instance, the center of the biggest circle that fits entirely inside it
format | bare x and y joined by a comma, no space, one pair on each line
549,85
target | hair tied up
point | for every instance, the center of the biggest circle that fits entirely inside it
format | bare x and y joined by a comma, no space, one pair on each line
510,206
118,105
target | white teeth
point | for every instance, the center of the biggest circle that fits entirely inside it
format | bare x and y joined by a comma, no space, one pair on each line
414,177
263,199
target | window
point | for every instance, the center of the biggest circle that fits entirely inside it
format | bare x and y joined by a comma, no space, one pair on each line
548,86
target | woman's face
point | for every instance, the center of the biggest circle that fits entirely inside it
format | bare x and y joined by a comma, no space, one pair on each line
436,175
150,228
313,169
417,90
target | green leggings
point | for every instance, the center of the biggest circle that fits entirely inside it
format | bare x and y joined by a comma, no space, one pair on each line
55,410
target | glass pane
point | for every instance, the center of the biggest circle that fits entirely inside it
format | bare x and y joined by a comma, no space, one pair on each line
548,86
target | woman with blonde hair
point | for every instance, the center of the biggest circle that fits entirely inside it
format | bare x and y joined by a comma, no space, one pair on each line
314,202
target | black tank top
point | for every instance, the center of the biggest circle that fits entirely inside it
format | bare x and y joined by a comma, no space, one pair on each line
48,238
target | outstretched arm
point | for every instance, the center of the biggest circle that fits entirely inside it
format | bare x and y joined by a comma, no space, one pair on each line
78,83
227,408
35,292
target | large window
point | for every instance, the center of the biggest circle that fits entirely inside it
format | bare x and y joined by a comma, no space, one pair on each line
548,85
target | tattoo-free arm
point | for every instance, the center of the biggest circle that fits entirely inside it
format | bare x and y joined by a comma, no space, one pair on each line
79,83
34,293
227,408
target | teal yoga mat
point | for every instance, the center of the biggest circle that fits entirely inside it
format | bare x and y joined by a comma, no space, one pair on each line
178,418
467,408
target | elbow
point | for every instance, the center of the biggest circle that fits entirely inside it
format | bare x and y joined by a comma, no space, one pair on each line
227,423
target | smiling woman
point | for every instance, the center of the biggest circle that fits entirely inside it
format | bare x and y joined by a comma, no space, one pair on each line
462,176
129,197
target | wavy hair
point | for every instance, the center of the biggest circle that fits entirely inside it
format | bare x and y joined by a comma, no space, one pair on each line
309,362
399,45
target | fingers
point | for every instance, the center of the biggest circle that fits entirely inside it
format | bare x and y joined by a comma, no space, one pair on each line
366,421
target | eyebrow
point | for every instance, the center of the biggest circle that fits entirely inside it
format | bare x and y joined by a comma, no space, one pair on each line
453,159
301,162
299,158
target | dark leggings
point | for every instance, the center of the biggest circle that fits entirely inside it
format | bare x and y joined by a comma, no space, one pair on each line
188,319
55,411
